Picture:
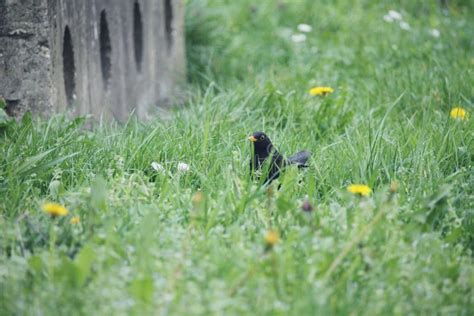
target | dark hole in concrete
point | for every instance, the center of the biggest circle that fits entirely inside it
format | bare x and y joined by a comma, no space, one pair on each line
105,48
138,34
11,107
169,23
69,69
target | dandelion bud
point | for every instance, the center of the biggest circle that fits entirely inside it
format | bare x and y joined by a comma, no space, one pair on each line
197,199
269,191
271,238
75,220
393,190
393,187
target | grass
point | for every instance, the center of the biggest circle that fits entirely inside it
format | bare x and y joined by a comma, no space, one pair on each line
144,245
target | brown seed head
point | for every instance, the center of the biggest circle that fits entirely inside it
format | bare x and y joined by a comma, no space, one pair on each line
306,206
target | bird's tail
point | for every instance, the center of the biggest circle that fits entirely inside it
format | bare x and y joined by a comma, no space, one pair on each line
300,159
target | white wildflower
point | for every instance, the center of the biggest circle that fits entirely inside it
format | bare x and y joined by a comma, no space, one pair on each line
395,15
435,33
404,26
183,167
157,167
387,18
305,28
298,38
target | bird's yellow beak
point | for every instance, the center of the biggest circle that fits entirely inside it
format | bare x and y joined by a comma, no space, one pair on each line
252,139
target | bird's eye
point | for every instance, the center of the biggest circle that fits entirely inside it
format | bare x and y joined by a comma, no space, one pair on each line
262,137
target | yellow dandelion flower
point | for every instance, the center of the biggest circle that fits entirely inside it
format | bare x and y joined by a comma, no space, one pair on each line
458,113
360,189
75,220
55,209
271,238
321,90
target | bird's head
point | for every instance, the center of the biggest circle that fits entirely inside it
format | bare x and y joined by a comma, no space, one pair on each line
260,141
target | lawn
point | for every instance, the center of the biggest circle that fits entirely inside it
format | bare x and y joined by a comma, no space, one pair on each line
163,217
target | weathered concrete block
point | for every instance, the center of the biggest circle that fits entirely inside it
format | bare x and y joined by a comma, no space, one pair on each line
100,57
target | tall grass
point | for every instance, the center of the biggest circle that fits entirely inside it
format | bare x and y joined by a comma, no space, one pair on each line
144,245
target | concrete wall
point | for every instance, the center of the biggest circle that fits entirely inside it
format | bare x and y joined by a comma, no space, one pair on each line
25,61
103,57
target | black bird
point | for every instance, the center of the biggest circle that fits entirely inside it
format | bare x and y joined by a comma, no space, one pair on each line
263,149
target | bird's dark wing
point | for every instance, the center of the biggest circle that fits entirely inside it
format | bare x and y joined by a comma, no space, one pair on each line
300,159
